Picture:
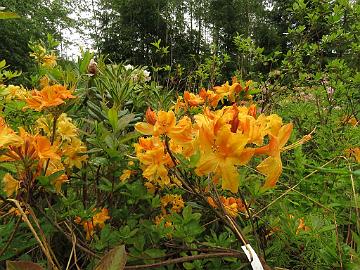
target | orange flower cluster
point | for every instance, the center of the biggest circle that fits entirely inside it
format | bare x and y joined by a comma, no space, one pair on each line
301,226
354,152
225,139
48,97
231,205
212,97
177,204
96,222
31,154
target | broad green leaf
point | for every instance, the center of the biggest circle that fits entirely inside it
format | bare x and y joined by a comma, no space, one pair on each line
112,116
115,259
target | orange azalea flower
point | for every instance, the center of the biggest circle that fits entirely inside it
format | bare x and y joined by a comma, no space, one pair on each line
179,104
33,147
175,200
152,155
150,116
33,153
210,97
302,226
228,91
165,123
355,152
49,96
222,140
193,100
221,151
231,205
150,187
271,167
158,124
97,221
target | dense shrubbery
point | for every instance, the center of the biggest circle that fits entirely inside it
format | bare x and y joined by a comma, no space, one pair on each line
99,156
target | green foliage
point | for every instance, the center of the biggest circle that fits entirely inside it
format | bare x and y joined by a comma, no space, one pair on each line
305,60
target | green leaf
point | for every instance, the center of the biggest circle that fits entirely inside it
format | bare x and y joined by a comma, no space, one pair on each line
187,213
112,116
124,121
4,15
115,259
2,64
22,265
195,158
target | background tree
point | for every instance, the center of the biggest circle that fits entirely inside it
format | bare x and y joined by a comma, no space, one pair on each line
38,18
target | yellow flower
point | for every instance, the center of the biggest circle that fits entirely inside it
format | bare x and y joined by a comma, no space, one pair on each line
221,151
151,153
125,175
53,167
65,128
74,153
228,91
7,135
175,200
11,185
49,60
271,167
44,81
162,124
131,163
15,92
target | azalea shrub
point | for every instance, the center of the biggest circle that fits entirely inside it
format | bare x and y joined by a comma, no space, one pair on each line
101,165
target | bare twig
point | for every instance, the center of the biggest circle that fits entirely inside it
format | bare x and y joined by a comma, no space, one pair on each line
42,246
186,259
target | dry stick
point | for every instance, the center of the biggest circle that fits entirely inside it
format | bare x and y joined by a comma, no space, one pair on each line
42,234
185,259
11,238
73,249
25,218
68,236
292,188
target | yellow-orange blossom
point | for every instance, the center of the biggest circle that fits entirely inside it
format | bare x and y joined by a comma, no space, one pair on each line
226,139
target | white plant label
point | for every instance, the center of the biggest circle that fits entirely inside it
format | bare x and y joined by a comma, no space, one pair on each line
253,257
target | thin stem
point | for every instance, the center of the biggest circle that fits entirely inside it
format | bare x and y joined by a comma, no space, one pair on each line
186,259
52,139
11,238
